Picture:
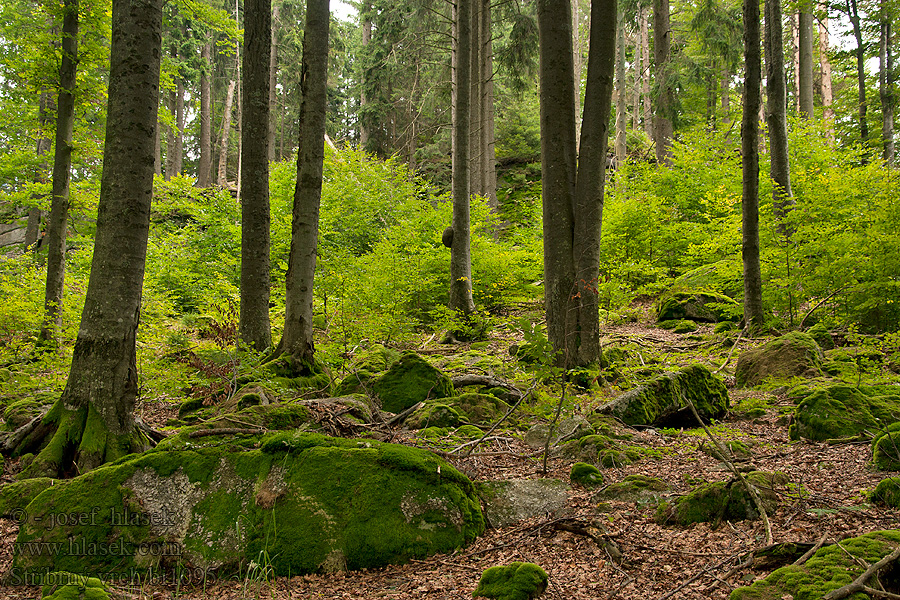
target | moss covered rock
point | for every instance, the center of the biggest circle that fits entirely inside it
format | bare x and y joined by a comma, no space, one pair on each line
887,492
829,568
508,502
365,368
308,378
886,448
842,411
411,380
570,428
21,412
586,475
435,413
795,354
313,503
822,335
709,307
60,585
635,488
729,500
15,496
662,400
515,581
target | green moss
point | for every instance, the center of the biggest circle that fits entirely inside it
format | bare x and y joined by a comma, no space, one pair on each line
356,382
842,411
188,406
829,569
480,409
729,500
469,432
699,306
410,380
286,373
791,355
14,497
635,488
435,414
376,359
685,327
60,585
21,412
586,475
887,492
516,581
886,448
822,336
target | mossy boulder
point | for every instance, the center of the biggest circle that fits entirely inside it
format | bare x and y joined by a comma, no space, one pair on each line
663,400
736,450
411,380
313,503
822,335
887,492
828,569
515,581
570,428
21,412
585,475
795,354
708,307
365,368
842,411
15,496
508,502
640,489
435,413
729,500
480,409
886,448
60,585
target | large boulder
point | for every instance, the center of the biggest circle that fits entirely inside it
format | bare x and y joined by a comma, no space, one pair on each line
410,380
843,411
712,502
829,568
886,448
508,502
707,307
663,400
794,354
213,503
471,408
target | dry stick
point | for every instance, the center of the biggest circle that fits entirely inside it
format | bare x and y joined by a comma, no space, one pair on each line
754,494
859,583
730,352
497,424
806,556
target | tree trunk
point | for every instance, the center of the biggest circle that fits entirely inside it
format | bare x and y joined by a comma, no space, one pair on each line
62,166
621,115
645,73
853,13
179,127
460,258
204,168
488,154
577,60
805,79
776,117
638,69
222,178
827,90
886,86
297,341
44,144
475,105
753,310
662,40
254,327
273,80
93,419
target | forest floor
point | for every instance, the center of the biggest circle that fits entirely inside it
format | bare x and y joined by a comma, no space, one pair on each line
826,497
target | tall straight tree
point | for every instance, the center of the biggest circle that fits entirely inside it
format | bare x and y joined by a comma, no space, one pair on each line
665,95
204,166
860,51
297,340
254,327
753,310
33,227
805,62
62,167
776,114
886,81
93,423
573,187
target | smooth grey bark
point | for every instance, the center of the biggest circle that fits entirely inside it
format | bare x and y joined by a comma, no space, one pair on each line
860,51
621,121
204,166
222,176
273,79
62,167
753,310
776,114
645,74
297,341
662,120
488,153
805,76
825,63
43,147
886,85
366,26
93,419
461,299
254,328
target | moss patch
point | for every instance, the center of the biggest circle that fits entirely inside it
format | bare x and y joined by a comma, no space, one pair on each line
435,413
795,354
60,585
729,500
635,488
887,492
586,475
842,411
410,380
709,307
14,497
515,581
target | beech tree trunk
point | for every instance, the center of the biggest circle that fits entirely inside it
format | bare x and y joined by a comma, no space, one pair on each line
366,24
93,420
222,178
645,74
860,52
297,341
254,328
44,144
827,90
204,167
273,80
621,116
486,73
805,79
886,86
662,122
753,310
62,167
776,114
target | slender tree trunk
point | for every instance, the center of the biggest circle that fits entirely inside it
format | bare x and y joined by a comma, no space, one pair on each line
853,13
62,167
93,419
157,151
297,341
222,178
805,42
662,41
366,24
578,60
621,116
795,49
488,154
886,86
825,62
254,327
179,127
638,69
475,105
753,309
776,117
645,73
44,144
273,81
204,167
726,94
460,258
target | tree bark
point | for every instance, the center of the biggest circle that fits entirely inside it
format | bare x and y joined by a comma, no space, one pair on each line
776,117
753,310
273,80
827,90
204,167
93,418
222,178
461,299
805,79
488,154
645,73
886,85
254,328
621,116
62,167
860,52
366,16
297,341
44,144
662,123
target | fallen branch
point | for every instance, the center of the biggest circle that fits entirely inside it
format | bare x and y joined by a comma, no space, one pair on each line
730,352
503,418
811,551
404,414
859,584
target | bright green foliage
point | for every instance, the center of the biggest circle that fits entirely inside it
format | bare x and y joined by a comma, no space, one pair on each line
841,411
60,585
830,568
793,354
515,581
730,500
410,380
586,475
886,448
